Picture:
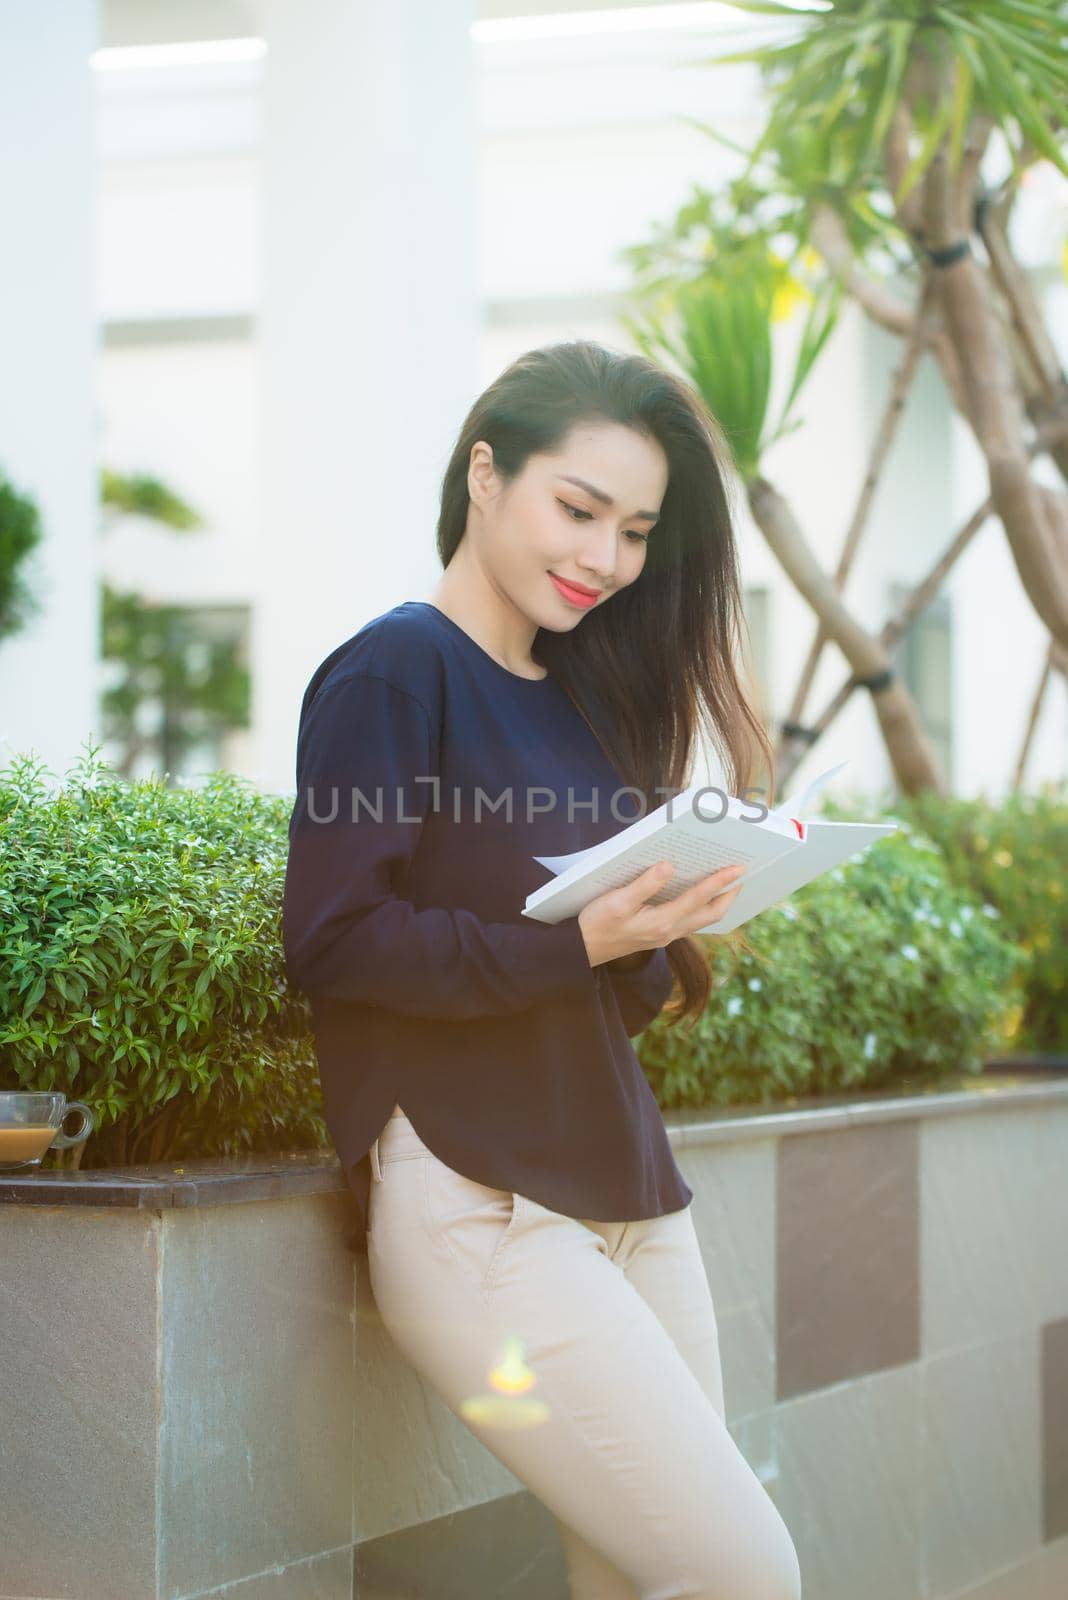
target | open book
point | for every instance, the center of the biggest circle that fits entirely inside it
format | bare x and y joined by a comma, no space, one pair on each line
700,833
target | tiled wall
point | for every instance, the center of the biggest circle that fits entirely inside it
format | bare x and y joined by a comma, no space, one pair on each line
204,1401
891,1288
918,1347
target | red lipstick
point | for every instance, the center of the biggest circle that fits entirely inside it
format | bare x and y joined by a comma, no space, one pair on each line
576,594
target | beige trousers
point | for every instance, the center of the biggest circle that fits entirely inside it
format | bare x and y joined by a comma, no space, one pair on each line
585,1356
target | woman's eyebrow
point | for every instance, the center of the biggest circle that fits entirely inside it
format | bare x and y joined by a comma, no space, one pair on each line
606,499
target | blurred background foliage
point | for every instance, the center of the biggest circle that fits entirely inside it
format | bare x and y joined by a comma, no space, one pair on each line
142,967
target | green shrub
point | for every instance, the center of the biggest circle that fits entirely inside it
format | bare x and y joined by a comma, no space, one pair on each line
21,533
878,972
142,971
1015,855
141,963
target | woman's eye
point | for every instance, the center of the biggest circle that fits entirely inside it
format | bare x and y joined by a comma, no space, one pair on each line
632,533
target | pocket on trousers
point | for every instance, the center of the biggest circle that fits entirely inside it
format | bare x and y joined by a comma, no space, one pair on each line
474,1221
395,1201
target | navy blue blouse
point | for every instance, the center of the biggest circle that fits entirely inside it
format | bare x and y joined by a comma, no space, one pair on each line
429,776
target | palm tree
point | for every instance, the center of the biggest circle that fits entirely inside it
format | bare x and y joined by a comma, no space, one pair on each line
870,180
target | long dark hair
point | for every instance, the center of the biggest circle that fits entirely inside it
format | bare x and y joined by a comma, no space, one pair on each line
654,667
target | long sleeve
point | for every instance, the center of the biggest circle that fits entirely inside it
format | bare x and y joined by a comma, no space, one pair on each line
642,991
348,932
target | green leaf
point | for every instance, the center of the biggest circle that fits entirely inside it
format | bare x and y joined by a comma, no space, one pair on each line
36,990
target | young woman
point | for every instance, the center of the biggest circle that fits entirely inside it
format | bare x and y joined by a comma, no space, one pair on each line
531,1246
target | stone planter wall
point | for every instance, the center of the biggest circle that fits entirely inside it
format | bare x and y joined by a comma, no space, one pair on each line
199,1399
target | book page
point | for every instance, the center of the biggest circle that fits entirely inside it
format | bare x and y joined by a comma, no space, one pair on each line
799,804
670,845
828,844
688,806
696,847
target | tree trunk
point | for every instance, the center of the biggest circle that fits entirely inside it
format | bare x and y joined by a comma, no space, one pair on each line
912,755
1036,529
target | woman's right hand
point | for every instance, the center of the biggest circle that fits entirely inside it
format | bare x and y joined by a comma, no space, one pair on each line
618,923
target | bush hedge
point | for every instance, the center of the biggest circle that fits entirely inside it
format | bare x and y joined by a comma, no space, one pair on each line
142,970
1014,855
141,966
880,971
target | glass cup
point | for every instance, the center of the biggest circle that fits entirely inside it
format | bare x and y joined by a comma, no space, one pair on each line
32,1123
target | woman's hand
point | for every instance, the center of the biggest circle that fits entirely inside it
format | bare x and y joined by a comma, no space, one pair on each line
619,922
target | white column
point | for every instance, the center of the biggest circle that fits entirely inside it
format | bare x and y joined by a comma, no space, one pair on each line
48,671
368,324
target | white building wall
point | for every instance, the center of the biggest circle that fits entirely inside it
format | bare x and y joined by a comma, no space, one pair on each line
47,351
581,149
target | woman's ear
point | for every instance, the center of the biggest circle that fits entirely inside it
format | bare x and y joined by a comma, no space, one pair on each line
481,473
